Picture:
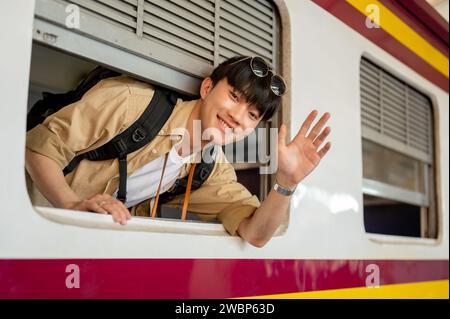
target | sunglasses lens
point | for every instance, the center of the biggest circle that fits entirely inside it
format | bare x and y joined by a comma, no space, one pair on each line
277,85
259,67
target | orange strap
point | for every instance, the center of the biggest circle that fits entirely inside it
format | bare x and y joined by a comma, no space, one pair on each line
186,195
188,192
155,205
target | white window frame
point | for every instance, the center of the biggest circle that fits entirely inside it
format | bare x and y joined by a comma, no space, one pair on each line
375,188
58,37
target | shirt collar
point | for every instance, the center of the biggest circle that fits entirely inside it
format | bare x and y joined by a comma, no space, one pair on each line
176,125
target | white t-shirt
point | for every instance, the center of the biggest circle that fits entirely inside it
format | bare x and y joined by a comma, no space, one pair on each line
143,183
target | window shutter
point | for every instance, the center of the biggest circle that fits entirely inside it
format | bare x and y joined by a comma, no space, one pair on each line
171,42
184,26
123,13
394,114
247,27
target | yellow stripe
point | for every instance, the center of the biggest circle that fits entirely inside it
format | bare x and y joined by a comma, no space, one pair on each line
393,25
419,290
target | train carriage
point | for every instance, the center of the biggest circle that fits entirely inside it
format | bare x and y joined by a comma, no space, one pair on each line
370,222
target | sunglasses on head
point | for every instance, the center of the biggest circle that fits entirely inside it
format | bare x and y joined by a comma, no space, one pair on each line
261,69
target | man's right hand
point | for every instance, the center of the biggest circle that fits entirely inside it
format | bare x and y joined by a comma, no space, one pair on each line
49,179
103,204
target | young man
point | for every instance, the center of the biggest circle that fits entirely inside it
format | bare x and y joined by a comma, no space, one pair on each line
233,100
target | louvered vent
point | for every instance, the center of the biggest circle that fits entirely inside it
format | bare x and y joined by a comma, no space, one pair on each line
187,26
393,112
246,28
171,42
119,12
188,35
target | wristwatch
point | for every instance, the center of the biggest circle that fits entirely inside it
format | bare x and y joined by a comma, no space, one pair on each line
283,191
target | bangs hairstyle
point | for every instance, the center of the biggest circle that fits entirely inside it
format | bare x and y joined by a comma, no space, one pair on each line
255,90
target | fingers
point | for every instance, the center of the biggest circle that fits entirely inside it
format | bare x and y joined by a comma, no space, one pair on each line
124,209
95,207
282,136
118,214
106,204
318,127
324,150
319,140
306,124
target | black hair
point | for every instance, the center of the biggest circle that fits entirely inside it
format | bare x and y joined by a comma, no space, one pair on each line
256,90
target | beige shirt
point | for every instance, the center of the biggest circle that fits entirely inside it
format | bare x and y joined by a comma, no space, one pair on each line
105,111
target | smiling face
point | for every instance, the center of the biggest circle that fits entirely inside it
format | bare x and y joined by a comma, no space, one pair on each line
226,113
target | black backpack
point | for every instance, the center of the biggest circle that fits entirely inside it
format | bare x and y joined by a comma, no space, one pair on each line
133,138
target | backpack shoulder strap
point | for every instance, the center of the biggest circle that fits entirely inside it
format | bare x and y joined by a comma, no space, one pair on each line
133,138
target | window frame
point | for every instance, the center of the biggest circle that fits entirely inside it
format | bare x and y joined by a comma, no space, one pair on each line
46,33
376,188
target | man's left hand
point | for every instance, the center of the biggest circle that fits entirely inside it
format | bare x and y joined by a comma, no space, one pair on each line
302,155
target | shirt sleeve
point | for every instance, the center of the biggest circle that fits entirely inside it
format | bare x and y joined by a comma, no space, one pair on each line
84,125
222,197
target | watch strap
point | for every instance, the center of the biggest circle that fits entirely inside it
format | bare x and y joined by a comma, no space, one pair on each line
282,190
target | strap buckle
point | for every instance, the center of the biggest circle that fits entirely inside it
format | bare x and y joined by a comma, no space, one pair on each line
138,135
120,147
203,173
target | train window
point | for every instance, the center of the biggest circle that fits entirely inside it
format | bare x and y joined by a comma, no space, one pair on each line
170,43
175,43
398,163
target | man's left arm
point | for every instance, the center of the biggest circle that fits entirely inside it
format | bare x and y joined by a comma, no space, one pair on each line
295,161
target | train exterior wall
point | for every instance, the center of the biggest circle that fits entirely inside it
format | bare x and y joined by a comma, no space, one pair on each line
326,227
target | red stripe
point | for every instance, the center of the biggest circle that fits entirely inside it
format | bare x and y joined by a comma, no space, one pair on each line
356,20
420,20
201,278
431,18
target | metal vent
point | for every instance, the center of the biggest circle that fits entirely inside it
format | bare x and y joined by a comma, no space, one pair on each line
394,114
187,37
120,12
187,26
246,28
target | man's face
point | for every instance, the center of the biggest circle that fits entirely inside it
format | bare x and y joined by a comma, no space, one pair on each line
225,113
